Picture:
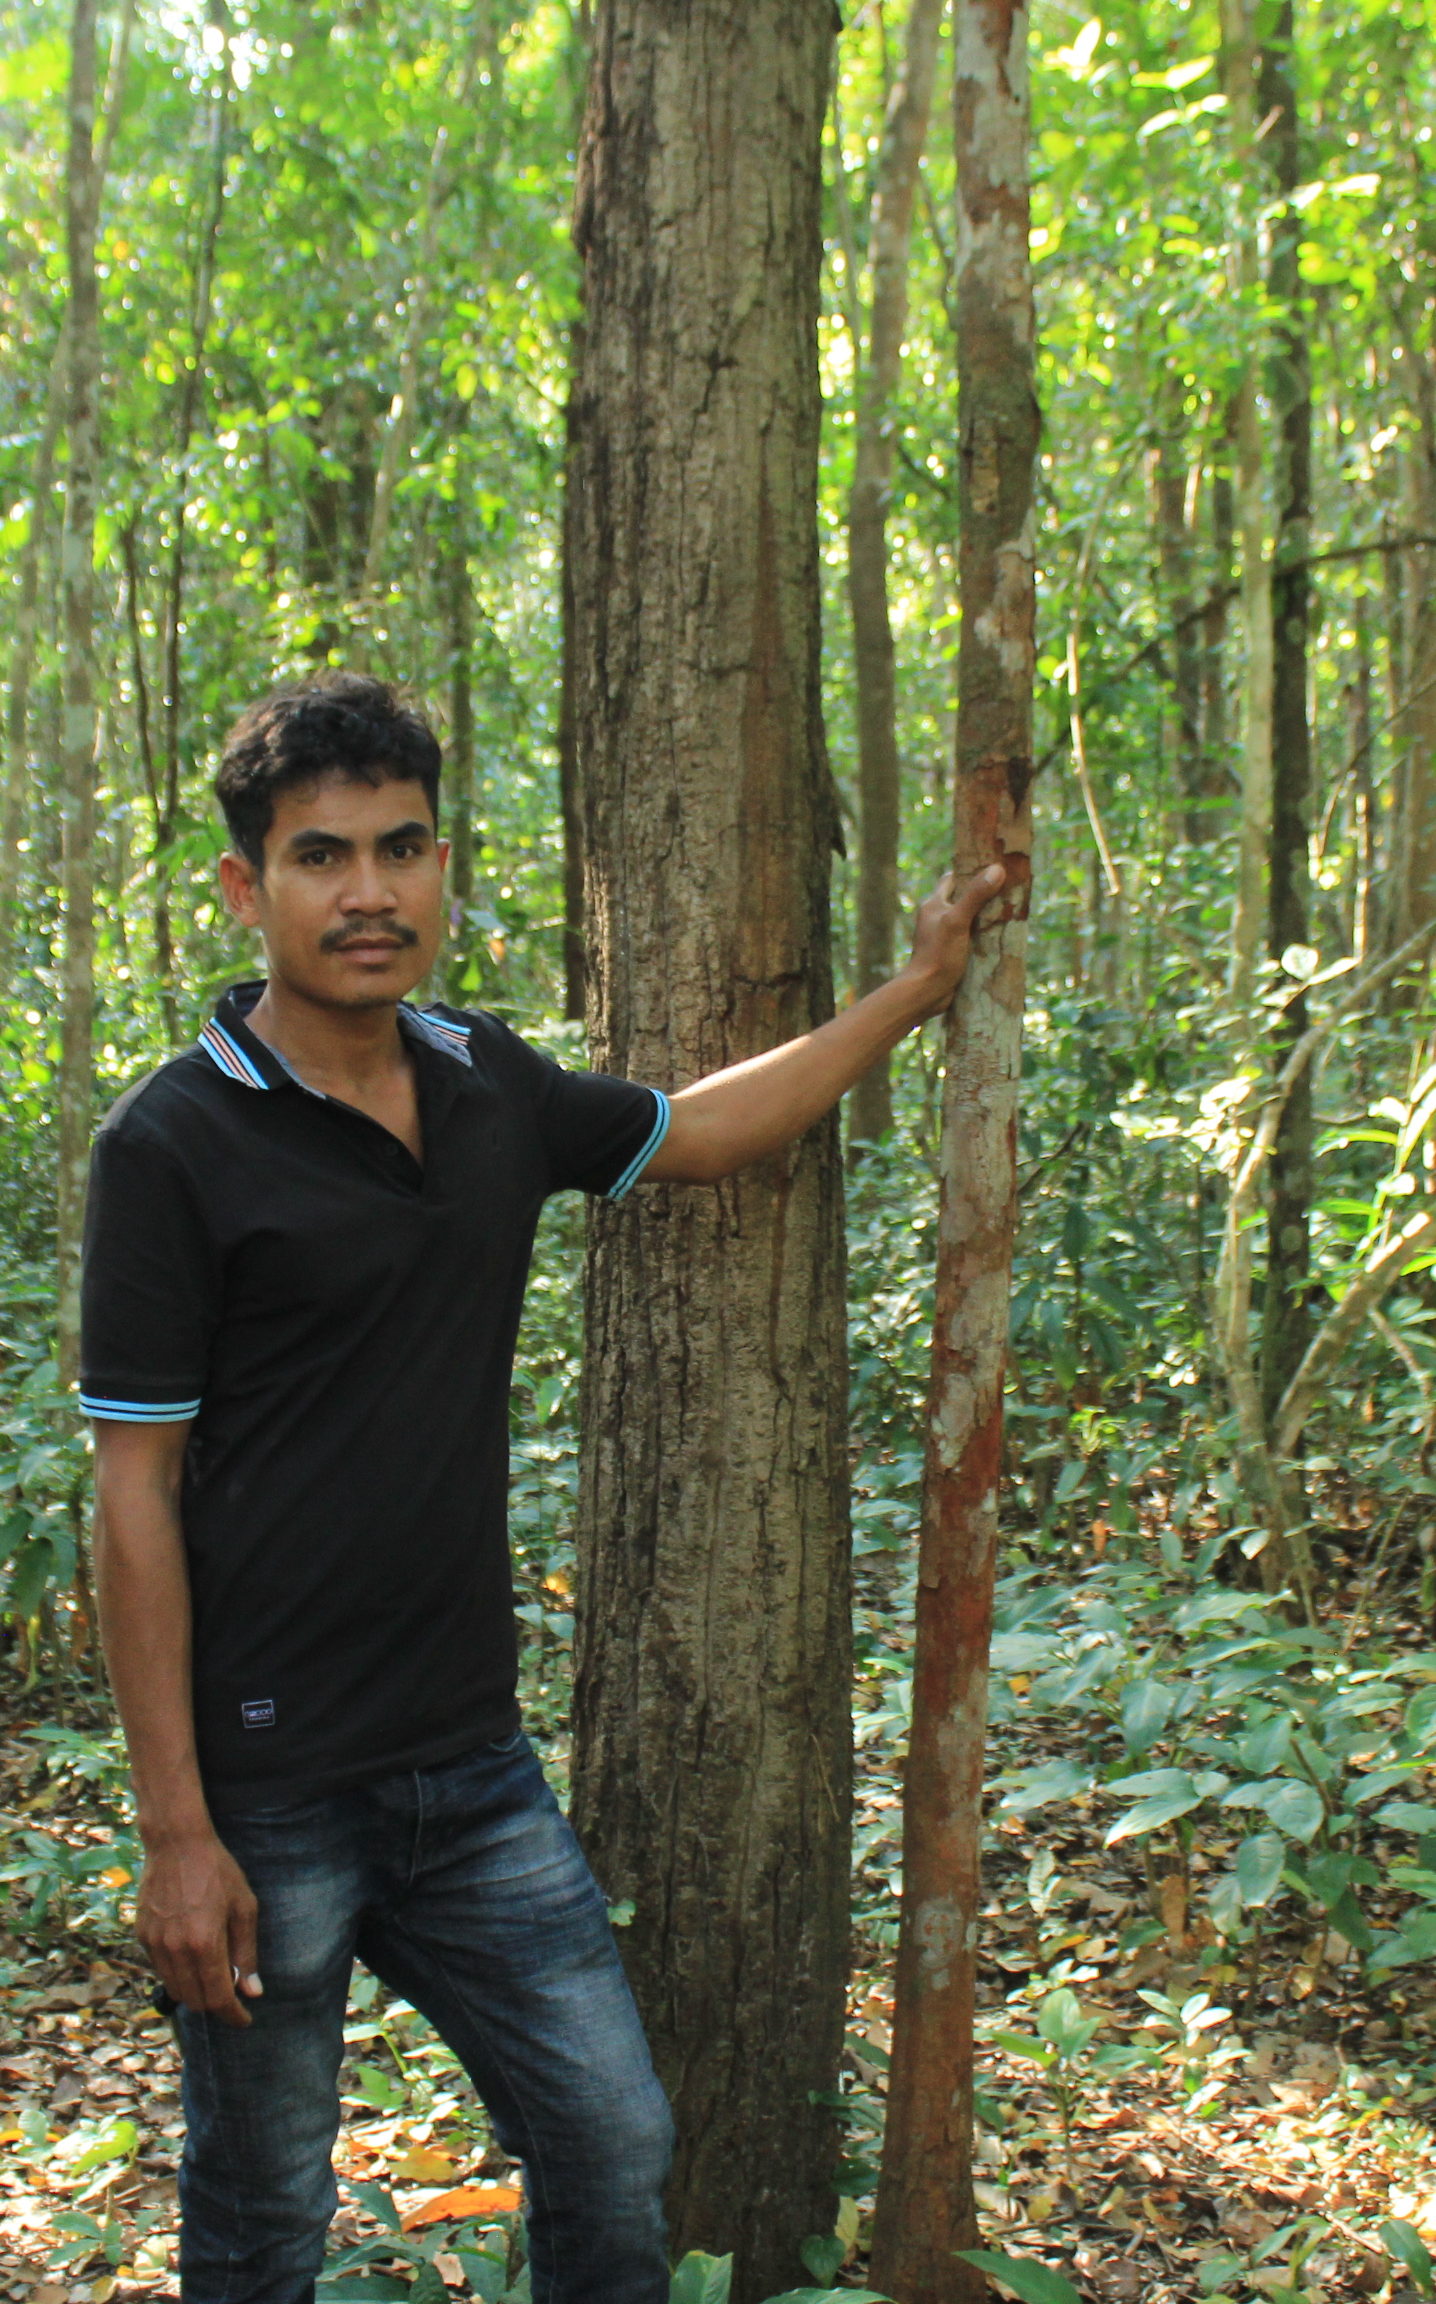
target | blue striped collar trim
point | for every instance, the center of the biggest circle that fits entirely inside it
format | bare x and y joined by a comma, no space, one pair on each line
439,1031
224,1051
228,1055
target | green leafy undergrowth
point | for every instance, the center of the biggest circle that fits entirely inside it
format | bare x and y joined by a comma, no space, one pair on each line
1195,1709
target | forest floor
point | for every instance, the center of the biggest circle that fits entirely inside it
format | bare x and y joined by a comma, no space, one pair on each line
1254,2156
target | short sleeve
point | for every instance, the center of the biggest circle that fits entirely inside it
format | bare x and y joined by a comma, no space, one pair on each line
599,1133
150,1286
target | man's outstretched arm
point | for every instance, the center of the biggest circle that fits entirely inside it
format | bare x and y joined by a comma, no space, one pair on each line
735,1117
197,1916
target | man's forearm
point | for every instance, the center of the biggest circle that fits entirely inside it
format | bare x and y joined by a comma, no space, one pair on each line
142,1587
751,1109
740,1115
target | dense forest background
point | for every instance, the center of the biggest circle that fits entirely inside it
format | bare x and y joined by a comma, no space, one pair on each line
338,320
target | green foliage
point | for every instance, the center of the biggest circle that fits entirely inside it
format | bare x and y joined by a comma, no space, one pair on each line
1034,2283
1252,1717
701,2279
372,2270
1404,2243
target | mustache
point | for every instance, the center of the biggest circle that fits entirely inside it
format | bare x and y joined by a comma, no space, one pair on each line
395,932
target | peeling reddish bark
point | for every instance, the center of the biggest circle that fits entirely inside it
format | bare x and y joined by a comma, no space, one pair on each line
925,2210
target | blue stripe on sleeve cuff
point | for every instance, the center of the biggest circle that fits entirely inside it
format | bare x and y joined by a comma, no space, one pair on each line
641,1159
138,1411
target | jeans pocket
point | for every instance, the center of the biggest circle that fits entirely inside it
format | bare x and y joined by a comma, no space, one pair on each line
506,1747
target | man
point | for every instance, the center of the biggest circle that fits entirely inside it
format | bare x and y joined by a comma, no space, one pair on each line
306,1250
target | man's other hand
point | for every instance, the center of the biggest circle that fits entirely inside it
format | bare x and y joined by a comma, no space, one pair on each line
942,935
198,1923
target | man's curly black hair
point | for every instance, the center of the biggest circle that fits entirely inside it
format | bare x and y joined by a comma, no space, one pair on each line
343,723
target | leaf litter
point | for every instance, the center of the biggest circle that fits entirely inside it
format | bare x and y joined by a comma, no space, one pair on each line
1164,2115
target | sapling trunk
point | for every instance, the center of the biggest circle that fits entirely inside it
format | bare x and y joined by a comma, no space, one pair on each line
925,2203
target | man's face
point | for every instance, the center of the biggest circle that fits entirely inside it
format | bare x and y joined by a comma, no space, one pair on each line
350,903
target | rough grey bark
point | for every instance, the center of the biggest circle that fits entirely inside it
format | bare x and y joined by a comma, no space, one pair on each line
889,237
77,727
711,1701
925,2199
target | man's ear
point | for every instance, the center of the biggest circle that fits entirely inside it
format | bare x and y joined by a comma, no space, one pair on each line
239,884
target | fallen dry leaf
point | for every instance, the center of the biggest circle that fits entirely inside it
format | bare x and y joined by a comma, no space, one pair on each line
465,2200
423,2164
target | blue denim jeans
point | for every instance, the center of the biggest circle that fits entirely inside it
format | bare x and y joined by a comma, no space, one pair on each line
463,1888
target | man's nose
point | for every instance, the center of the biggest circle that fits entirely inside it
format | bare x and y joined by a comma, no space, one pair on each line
367,887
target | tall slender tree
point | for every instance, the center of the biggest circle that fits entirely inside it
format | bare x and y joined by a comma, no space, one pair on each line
925,2202
905,126
1285,1309
711,1764
78,723
1240,60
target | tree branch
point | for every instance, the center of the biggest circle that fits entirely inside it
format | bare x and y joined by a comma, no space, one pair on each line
1340,1325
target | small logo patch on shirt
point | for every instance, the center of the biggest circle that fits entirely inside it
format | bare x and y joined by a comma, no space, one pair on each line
259,1713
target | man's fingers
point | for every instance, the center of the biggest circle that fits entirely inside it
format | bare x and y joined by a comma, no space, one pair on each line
979,890
216,1977
202,1981
244,1948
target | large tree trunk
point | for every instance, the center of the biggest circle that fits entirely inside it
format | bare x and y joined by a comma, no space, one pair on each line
711,1771
1286,1320
870,1111
77,730
925,2204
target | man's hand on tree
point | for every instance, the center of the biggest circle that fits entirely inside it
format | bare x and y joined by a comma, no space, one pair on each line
942,934
198,1922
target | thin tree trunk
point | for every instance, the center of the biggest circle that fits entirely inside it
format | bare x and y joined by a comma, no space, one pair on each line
1286,1319
1216,769
925,2202
1359,739
870,1112
575,992
1254,829
1174,546
27,627
459,777
27,617
144,727
575,995
168,787
1414,844
77,739
711,1768
403,408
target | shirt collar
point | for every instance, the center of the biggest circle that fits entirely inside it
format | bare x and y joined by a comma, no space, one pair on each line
243,1057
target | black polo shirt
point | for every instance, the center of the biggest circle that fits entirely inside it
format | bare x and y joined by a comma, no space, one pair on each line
339,1324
